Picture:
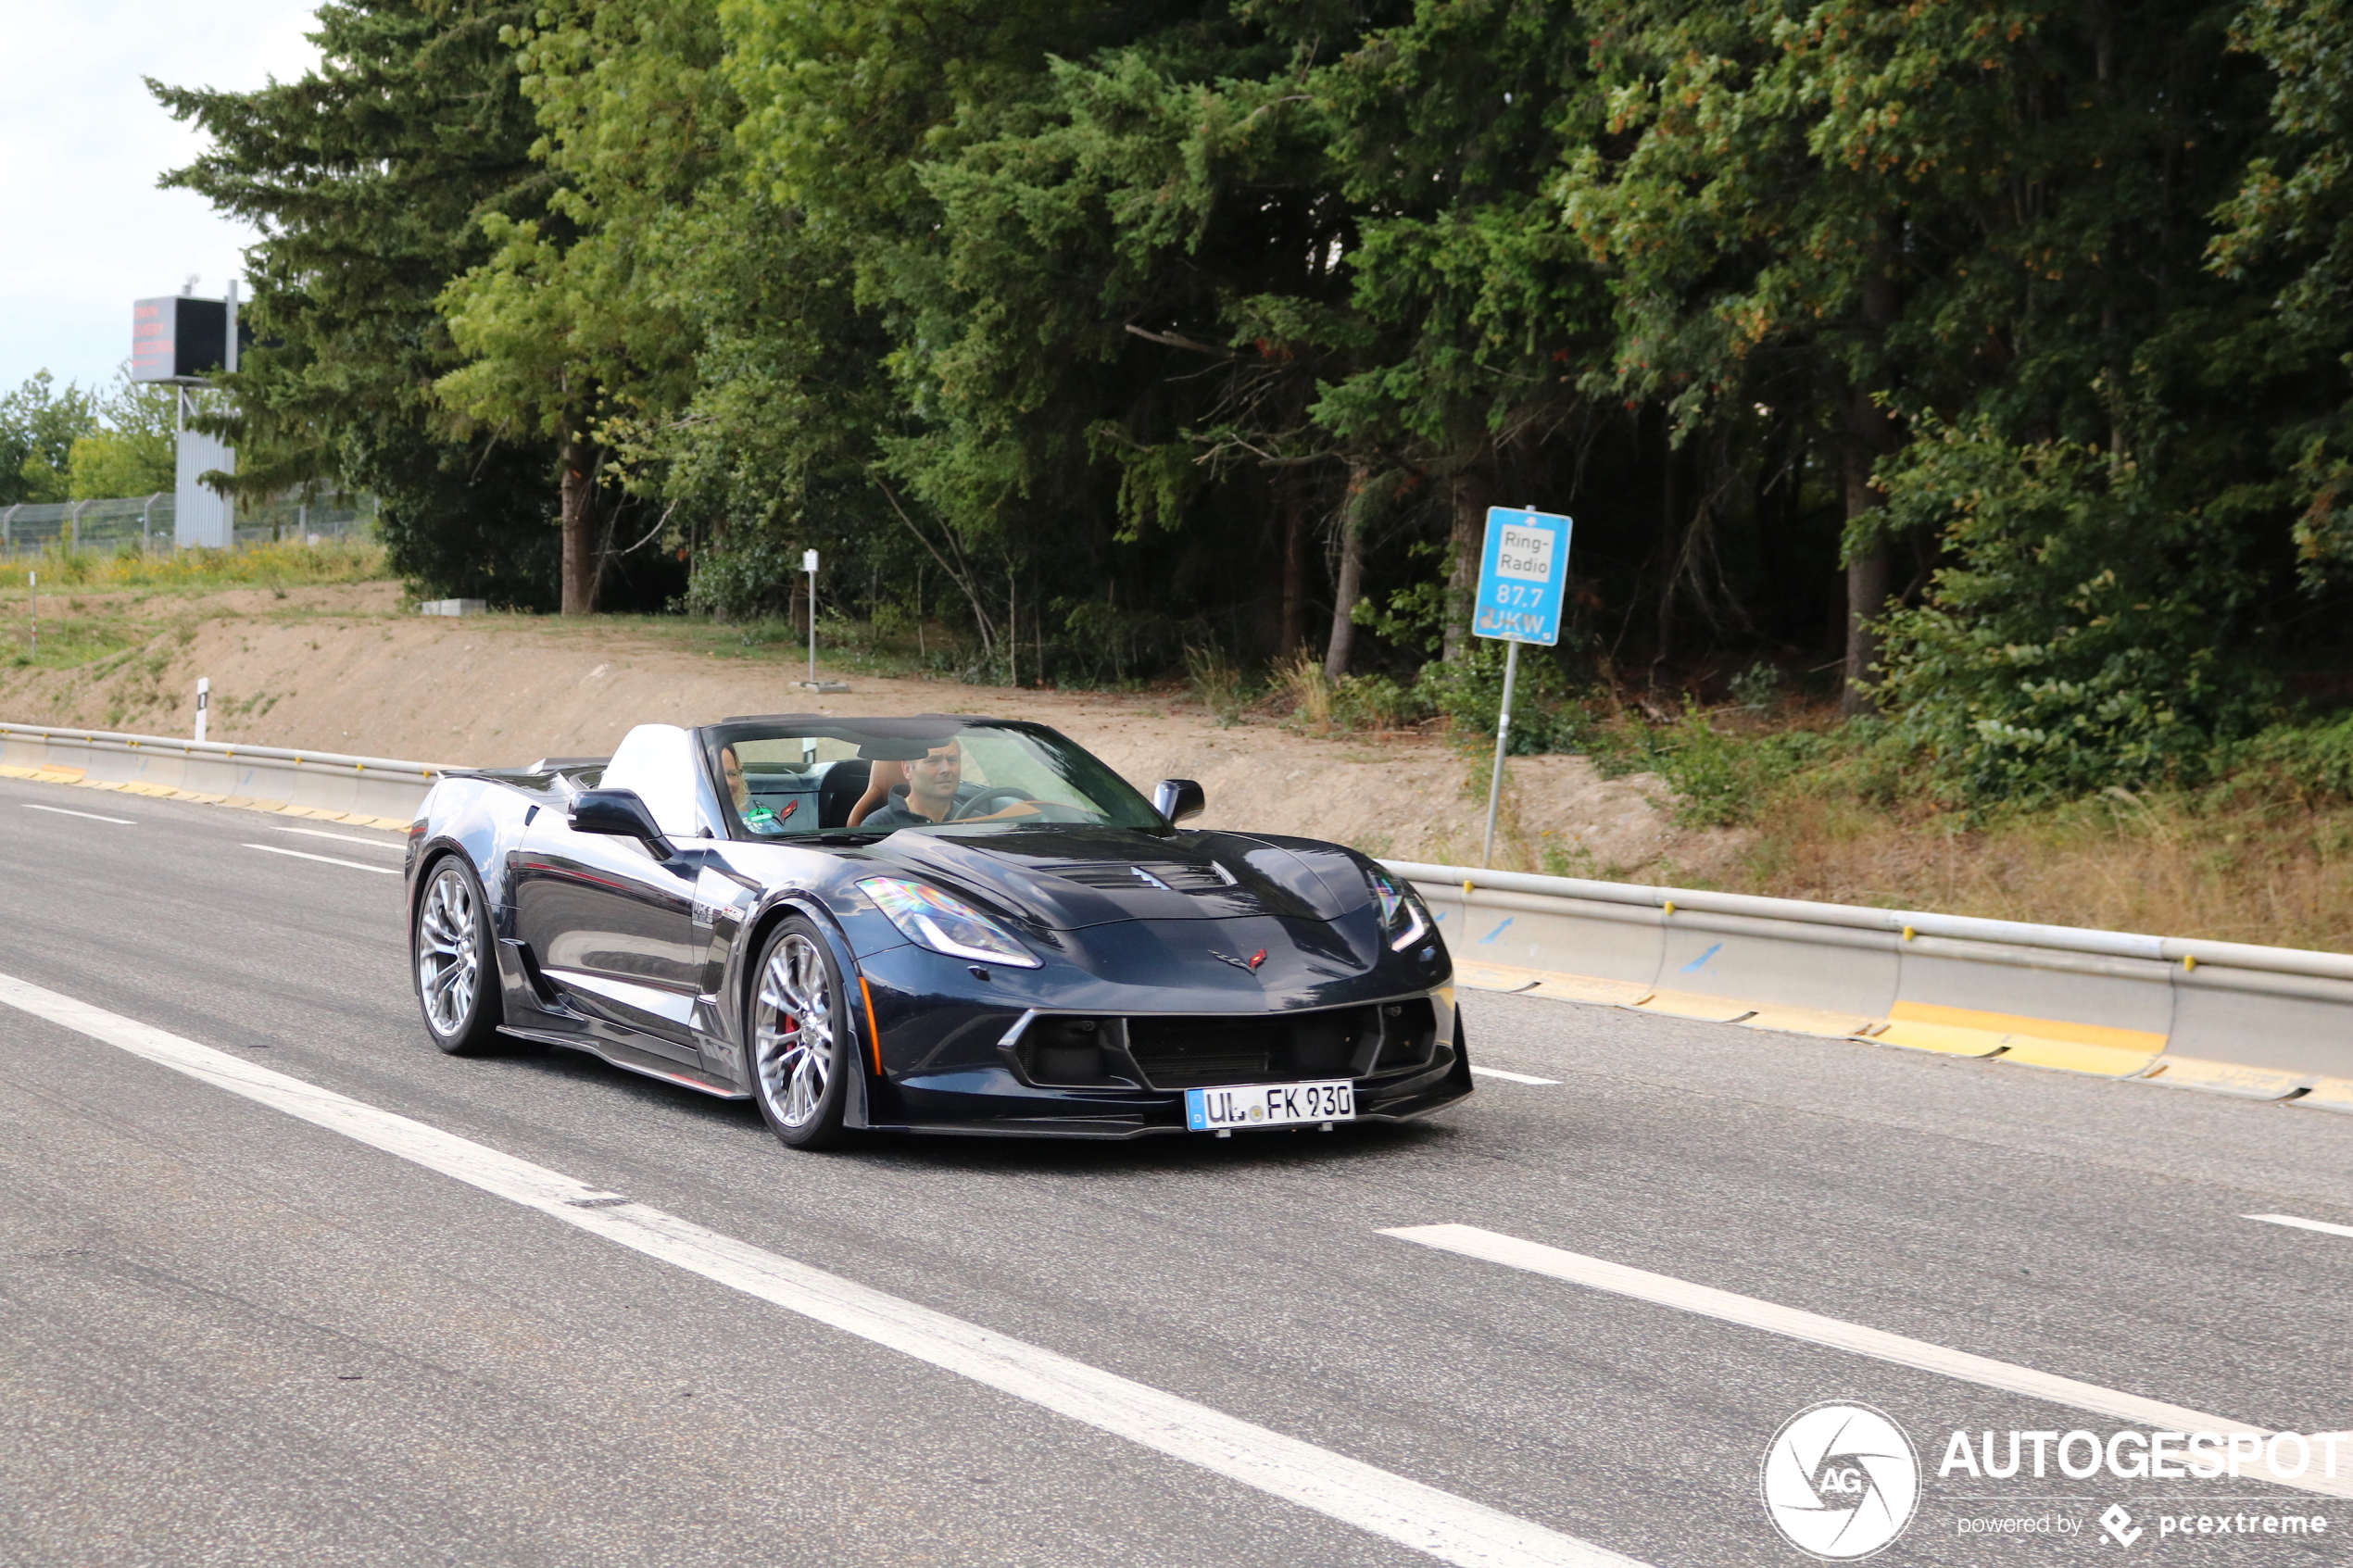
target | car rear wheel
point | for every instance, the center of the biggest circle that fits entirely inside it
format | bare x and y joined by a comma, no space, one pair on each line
450,945
799,1038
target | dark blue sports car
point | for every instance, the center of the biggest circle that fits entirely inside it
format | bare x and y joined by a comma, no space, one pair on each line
932,925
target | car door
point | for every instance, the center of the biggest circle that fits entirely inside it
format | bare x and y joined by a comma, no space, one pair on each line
611,921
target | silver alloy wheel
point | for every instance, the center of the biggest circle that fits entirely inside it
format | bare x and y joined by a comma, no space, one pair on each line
447,951
793,1035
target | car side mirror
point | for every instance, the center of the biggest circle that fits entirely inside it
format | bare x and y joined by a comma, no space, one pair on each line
1178,799
618,813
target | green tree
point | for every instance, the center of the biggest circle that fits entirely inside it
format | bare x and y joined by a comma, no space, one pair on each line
39,423
134,450
573,322
1447,128
2288,233
369,178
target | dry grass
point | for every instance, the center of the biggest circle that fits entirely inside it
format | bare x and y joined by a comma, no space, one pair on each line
2273,871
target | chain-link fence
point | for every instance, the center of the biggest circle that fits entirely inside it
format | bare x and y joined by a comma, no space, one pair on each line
33,527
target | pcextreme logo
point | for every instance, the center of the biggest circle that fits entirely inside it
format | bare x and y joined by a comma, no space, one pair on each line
1840,1480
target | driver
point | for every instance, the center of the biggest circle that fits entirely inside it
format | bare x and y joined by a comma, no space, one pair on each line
756,817
930,794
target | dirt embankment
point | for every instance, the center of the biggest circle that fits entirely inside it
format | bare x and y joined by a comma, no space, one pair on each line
344,668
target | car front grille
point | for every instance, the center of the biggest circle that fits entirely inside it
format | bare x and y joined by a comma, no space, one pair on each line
1199,1052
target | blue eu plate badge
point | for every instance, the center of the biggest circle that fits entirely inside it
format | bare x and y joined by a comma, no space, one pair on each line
1269,1105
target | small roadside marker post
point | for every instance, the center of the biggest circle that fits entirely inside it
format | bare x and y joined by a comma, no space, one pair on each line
204,701
1520,576
32,599
809,565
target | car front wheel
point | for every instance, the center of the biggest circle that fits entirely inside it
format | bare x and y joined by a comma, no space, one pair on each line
799,1040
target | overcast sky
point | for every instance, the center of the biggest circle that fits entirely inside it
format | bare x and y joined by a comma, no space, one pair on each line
80,144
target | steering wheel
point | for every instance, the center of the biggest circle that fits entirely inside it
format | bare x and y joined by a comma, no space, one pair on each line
988,801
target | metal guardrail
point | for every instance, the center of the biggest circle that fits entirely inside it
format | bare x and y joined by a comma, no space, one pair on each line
2281,1008
327,780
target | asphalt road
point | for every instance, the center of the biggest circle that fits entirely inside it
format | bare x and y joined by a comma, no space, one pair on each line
229,1337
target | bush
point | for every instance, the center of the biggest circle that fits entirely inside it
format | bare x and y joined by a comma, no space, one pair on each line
1469,692
2313,760
1219,681
1353,702
1720,778
2085,634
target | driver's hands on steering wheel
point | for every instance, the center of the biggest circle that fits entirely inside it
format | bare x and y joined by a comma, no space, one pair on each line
1023,804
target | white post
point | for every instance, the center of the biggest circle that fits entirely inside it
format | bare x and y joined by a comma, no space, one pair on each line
809,565
32,599
1502,733
204,701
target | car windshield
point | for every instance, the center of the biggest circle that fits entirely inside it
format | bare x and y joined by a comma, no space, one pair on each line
810,777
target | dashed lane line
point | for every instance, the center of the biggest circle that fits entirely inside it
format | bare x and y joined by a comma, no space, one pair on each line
1705,1300
2321,1225
85,816
346,837
1450,1528
1512,1077
324,860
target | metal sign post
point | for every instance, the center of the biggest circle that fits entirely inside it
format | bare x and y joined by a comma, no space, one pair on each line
809,565
1520,577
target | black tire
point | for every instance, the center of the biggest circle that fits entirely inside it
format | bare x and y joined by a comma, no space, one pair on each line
450,961
799,1038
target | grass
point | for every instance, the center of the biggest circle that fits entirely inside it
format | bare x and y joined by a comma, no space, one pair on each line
844,647
281,566
2264,855
2253,867
90,607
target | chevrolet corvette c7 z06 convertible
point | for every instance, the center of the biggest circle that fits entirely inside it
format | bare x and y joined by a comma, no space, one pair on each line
938,924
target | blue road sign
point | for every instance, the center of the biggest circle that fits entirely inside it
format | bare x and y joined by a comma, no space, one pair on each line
1523,576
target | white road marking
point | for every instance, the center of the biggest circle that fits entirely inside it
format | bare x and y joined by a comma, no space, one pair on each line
346,837
1511,1077
1748,1311
2321,1225
85,816
1450,1528
324,860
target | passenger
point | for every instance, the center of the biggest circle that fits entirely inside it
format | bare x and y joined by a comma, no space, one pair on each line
756,817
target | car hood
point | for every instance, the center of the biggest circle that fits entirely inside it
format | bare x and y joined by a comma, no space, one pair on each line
1067,879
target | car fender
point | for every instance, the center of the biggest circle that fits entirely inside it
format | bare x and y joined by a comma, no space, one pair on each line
753,934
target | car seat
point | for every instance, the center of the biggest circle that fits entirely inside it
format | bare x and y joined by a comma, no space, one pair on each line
840,790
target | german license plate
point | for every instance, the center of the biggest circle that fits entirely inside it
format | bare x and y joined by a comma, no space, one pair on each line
1269,1105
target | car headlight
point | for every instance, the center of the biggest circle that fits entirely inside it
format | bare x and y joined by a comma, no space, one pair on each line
1402,919
931,918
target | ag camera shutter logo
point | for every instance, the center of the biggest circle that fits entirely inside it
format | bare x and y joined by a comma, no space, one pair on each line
1841,1480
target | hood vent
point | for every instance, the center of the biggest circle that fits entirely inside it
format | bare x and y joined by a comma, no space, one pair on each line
1171,876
